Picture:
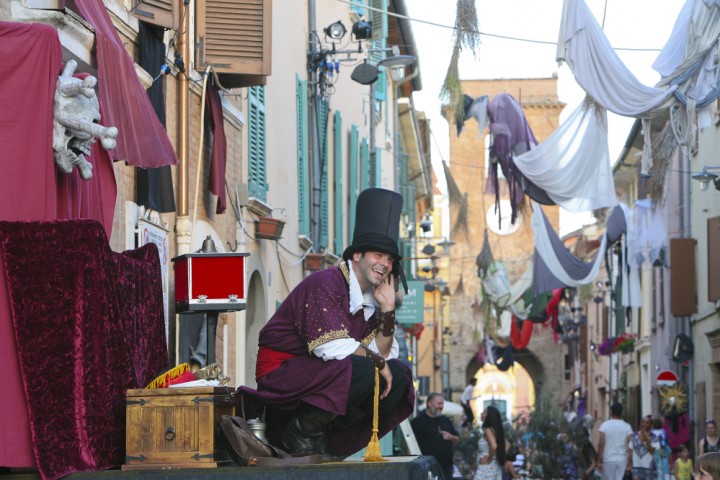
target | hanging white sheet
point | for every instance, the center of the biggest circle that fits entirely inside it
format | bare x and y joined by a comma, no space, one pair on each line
597,68
573,164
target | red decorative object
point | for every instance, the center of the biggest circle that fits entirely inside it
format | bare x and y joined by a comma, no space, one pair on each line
268,228
210,282
415,329
314,261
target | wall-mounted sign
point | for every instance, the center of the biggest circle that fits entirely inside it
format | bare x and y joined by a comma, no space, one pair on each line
412,309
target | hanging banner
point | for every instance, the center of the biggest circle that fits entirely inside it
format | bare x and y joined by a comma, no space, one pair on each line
413,305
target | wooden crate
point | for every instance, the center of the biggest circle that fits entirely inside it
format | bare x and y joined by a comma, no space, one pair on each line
174,427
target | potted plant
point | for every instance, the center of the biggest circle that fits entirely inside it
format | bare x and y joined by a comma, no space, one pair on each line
268,228
314,261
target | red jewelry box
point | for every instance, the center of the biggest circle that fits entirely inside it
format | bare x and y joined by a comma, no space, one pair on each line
210,282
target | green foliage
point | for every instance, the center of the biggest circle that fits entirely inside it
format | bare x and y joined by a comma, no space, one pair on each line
466,452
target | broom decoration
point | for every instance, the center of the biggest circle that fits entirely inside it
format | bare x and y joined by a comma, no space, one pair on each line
373,453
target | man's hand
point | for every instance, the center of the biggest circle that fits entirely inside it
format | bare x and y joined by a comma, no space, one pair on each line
387,375
385,294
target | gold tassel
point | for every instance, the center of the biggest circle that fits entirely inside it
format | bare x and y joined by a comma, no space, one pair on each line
373,453
162,380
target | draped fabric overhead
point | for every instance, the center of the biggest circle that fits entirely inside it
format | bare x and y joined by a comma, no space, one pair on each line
554,266
502,295
142,141
573,164
567,268
597,68
512,136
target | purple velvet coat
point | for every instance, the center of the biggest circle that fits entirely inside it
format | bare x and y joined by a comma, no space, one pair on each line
315,312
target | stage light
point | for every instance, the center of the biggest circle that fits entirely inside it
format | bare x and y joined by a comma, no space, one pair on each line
336,30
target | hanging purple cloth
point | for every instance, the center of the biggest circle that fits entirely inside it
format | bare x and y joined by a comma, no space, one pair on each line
512,136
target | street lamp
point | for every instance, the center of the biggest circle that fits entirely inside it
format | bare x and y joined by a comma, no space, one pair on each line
397,63
706,177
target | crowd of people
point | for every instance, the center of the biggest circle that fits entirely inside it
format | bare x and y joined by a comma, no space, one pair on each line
561,448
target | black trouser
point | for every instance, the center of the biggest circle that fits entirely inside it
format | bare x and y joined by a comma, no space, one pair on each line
362,385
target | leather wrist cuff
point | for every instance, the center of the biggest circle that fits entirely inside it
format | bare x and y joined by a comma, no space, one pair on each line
387,323
376,358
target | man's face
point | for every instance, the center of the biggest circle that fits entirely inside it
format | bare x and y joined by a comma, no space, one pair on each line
372,268
435,406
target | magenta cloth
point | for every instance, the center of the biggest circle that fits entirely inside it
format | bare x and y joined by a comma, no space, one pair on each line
142,141
88,324
677,429
32,188
315,312
216,182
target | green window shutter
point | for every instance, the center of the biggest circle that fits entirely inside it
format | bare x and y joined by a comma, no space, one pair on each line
358,6
338,200
257,186
379,36
364,164
303,157
377,161
353,180
323,121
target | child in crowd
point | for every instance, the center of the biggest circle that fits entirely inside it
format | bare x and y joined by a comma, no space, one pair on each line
683,467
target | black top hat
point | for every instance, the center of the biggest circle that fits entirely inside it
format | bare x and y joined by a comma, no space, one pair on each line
377,223
377,226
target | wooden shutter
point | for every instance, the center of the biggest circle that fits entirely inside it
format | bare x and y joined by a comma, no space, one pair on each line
303,160
257,186
234,36
338,190
163,13
353,179
713,255
683,296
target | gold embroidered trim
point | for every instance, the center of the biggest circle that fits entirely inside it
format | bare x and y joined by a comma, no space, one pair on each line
344,269
328,336
366,341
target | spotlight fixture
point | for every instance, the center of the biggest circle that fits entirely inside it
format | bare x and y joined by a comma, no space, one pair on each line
706,177
336,30
362,30
397,64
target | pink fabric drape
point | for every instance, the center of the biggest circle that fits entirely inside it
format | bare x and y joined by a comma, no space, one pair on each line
216,182
32,188
142,141
30,62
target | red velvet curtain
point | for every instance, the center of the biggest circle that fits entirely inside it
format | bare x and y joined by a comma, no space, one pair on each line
88,324
142,141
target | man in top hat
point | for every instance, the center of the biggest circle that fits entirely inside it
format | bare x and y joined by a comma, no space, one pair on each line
319,351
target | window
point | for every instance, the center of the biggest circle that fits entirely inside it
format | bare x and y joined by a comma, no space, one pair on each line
256,143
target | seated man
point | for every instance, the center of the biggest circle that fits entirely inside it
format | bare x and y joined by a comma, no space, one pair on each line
318,353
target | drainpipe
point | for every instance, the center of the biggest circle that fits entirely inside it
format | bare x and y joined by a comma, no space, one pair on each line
182,223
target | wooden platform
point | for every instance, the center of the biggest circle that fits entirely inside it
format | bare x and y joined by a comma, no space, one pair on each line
396,468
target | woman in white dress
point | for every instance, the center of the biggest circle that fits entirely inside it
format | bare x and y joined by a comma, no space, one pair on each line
491,446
